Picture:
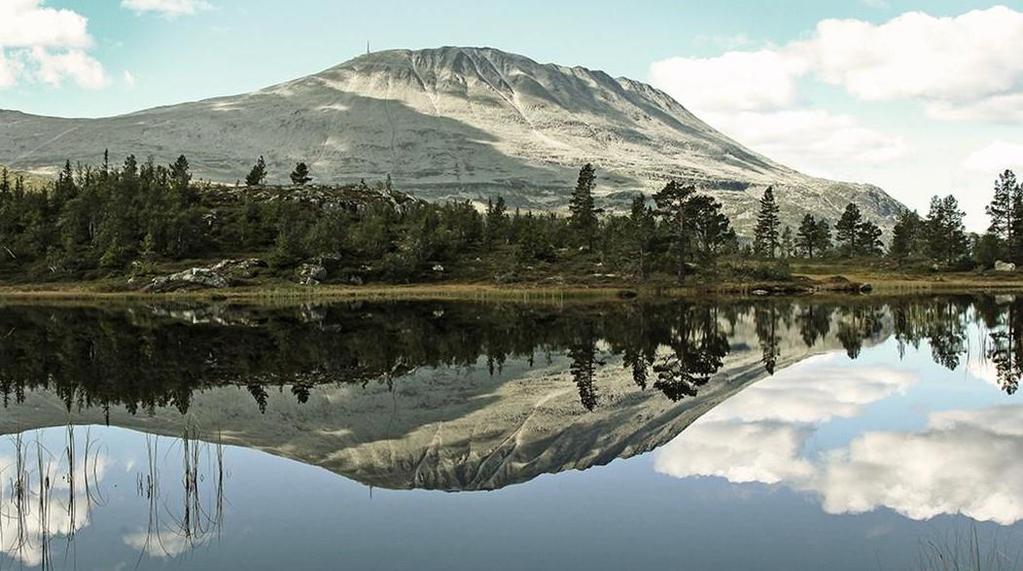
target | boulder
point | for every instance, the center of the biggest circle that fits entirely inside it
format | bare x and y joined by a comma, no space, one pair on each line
311,274
1001,266
239,268
192,278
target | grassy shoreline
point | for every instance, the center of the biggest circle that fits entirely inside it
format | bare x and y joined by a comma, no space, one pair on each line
882,283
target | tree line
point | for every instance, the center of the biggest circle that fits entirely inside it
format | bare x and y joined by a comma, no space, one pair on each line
97,221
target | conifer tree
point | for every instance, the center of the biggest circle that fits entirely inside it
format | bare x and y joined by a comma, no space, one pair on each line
1001,209
947,242
642,228
582,214
765,235
673,207
300,176
179,174
258,173
847,230
806,236
906,236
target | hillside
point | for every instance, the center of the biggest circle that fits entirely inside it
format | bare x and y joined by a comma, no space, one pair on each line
466,123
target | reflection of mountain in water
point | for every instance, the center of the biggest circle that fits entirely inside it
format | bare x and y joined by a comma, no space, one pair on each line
429,395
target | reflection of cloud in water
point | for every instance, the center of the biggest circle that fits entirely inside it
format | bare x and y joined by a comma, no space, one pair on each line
809,392
166,545
26,526
963,462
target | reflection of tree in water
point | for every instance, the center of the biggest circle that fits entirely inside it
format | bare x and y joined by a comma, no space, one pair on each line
698,347
946,329
1005,349
766,318
144,358
814,323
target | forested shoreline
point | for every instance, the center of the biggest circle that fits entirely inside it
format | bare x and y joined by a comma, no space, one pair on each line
136,219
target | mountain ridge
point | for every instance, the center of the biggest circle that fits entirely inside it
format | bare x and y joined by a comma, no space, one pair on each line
452,123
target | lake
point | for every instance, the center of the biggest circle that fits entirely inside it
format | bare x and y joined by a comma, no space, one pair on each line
864,432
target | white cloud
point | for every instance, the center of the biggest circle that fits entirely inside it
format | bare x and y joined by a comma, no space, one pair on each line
128,78
735,81
962,462
995,158
27,24
38,43
53,68
967,66
170,8
754,97
814,140
945,62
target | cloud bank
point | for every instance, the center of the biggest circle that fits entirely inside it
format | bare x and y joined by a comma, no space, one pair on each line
48,45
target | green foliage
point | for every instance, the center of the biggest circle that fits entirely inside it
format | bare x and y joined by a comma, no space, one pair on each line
258,173
300,176
907,236
766,235
945,237
582,213
813,238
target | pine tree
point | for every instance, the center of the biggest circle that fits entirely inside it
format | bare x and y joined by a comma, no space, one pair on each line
906,236
300,176
868,239
847,229
179,174
765,235
258,173
673,207
822,243
583,216
947,242
1002,211
806,236
642,228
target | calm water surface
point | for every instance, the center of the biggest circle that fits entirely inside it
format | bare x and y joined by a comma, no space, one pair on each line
876,433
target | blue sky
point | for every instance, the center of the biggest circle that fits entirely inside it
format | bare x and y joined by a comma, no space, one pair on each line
134,54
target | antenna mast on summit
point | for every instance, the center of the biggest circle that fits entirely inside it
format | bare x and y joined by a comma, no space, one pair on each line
367,47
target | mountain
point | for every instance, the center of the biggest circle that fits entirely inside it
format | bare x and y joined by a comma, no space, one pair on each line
466,123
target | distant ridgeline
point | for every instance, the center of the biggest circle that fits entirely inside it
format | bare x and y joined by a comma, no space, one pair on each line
100,222
145,357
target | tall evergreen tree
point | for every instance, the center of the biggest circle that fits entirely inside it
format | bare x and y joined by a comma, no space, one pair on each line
582,214
868,239
258,173
642,228
847,230
711,229
906,236
806,236
1001,209
300,176
947,242
823,237
180,175
673,207
765,235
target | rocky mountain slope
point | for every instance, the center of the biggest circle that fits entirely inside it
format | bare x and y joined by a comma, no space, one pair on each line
467,123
